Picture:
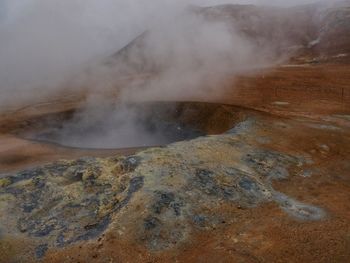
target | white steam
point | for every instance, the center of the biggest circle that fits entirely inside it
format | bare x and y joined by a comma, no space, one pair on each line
49,47
44,43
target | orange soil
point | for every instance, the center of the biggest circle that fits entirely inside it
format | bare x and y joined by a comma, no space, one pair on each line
265,233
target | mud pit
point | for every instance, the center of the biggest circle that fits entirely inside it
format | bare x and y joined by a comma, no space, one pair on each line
263,183
221,189
129,125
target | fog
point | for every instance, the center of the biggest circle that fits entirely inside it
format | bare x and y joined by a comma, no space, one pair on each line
45,43
259,2
48,48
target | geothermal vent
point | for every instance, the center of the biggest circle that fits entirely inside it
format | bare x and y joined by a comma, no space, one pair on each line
130,125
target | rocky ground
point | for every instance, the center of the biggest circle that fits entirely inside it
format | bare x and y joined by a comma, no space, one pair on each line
273,187
268,189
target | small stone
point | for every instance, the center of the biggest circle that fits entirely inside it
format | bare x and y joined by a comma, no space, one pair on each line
5,182
151,223
325,147
79,175
307,173
130,164
41,250
199,220
247,184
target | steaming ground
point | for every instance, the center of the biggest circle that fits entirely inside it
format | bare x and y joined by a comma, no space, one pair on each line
275,188
121,126
112,52
52,48
44,45
268,186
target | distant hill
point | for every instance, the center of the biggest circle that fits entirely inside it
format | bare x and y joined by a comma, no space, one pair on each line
313,30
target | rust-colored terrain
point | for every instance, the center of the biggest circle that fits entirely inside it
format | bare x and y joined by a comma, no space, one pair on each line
271,183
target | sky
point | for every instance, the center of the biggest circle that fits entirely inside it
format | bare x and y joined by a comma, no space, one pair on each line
12,8
256,2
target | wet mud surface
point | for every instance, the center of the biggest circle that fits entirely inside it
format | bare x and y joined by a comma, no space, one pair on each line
147,124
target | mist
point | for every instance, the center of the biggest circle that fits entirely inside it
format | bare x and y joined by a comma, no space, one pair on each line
141,51
43,44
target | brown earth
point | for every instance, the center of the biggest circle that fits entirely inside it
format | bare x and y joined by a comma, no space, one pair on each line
311,115
300,89
264,233
301,108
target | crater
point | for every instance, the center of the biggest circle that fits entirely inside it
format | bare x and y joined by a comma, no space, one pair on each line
130,125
